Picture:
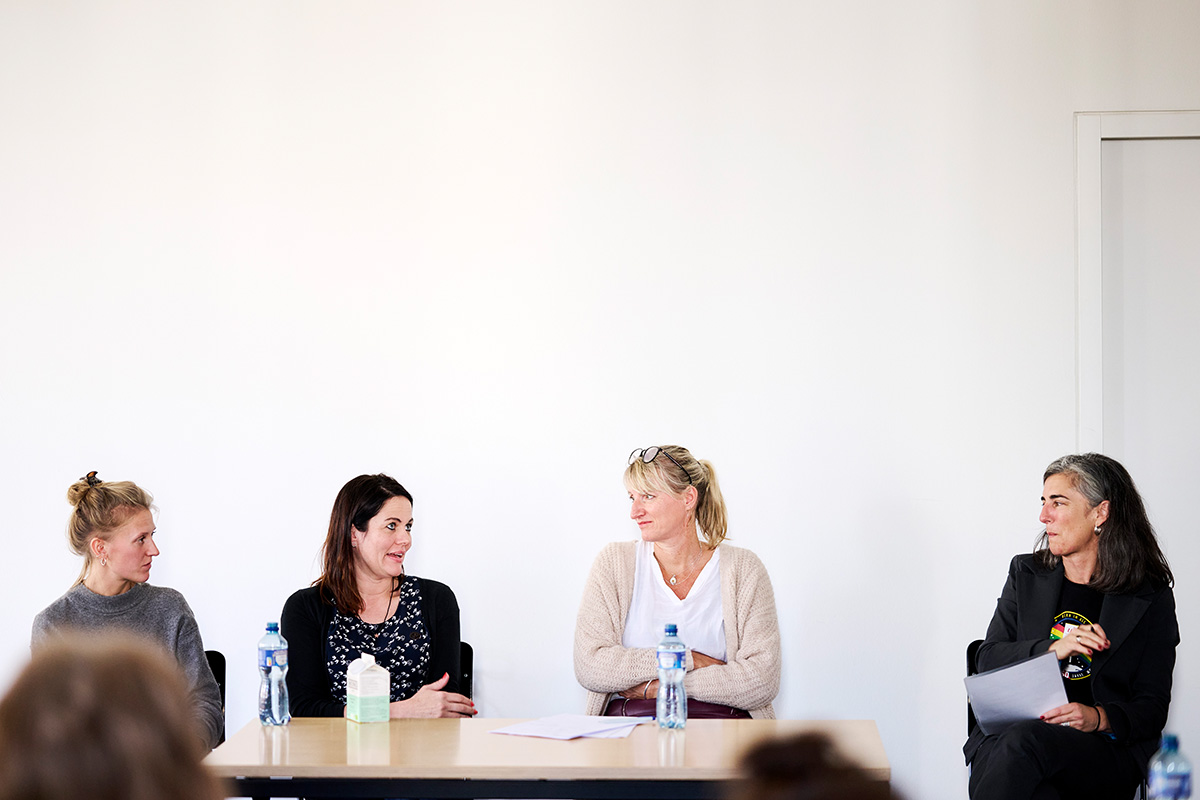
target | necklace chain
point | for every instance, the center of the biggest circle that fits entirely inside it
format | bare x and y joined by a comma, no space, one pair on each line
387,611
674,580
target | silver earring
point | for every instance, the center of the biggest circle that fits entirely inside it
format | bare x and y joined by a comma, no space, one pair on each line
1097,530
104,562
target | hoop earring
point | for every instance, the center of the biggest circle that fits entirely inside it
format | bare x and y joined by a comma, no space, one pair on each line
104,562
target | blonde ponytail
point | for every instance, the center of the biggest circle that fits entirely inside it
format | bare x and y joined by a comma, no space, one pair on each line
711,515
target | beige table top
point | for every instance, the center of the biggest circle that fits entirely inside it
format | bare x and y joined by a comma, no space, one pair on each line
465,748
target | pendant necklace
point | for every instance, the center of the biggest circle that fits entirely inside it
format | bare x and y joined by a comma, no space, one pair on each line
686,575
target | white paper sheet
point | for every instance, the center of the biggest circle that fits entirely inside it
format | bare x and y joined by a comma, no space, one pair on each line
573,726
1020,691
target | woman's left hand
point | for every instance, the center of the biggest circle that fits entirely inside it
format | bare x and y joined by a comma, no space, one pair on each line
1083,640
700,660
1078,716
431,701
643,691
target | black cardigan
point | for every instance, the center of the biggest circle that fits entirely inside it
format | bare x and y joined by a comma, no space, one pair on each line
305,624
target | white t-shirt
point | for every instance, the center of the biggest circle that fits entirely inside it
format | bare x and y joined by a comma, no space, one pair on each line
698,616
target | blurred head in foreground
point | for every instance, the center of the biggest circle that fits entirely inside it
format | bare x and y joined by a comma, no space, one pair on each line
103,719
804,767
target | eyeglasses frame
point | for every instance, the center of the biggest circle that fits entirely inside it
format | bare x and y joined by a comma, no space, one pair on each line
653,452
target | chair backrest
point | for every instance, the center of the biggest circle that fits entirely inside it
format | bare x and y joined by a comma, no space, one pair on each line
972,651
466,669
216,662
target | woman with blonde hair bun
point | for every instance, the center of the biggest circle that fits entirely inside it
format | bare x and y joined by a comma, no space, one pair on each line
102,719
681,572
112,528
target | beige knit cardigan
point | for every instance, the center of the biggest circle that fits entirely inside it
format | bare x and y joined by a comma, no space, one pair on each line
750,677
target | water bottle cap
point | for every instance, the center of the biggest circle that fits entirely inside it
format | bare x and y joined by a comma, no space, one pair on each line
1170,741
670,629
272,627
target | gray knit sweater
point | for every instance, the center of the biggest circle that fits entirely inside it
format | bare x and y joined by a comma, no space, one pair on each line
157,613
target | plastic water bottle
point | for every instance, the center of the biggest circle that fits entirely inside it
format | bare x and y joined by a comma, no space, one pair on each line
273,706
672,664
1170,772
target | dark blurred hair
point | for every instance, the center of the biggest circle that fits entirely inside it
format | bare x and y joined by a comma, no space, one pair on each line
105,719
803,767
1129,553
357,502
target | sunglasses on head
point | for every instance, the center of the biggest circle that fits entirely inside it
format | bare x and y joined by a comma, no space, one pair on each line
648,454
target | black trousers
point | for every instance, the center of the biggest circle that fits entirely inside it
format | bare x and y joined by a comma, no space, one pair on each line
1033,759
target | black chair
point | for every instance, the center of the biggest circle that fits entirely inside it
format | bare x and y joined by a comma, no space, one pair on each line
972,651
466,669
216,662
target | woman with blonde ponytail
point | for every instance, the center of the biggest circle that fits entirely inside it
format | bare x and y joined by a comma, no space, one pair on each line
112,528
680,572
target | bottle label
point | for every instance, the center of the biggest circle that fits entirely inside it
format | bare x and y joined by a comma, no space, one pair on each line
672,659
1169,787
272,658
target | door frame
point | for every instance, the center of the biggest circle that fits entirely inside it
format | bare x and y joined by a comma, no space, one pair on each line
1092,129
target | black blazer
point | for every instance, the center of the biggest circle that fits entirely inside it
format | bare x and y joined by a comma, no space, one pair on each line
1131,679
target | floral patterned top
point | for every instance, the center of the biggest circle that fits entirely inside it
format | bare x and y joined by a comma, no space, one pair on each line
400,644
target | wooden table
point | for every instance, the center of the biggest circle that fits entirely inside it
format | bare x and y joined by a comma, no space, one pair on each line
459,758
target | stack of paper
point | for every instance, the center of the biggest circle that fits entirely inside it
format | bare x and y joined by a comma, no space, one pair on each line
573,726
1024,690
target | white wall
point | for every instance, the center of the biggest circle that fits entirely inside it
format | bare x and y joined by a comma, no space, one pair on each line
251,250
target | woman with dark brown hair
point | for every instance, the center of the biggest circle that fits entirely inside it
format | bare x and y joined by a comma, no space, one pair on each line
102,718
365,603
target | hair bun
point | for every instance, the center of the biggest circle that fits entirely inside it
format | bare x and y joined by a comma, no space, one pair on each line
77,490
